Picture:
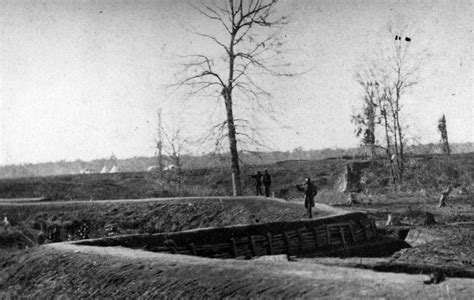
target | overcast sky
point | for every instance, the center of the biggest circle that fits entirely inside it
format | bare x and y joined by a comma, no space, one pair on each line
85,79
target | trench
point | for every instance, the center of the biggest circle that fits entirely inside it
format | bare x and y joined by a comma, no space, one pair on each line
343,235
346,235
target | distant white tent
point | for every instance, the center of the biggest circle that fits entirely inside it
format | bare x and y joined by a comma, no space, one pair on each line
114,169
104,169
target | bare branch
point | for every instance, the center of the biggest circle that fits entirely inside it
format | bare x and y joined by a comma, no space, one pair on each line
212,38
212,14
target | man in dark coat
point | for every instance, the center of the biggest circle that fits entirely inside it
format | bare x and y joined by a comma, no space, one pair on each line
310,190
267,182
258,183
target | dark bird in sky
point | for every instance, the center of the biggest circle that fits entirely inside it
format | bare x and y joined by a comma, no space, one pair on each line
408,39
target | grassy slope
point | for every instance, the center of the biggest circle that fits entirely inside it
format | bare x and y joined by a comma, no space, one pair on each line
422,173
197,182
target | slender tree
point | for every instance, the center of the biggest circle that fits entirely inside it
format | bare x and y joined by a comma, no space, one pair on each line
391,74
159,146
250,45
175,145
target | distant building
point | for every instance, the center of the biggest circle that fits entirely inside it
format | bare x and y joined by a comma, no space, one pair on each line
86,171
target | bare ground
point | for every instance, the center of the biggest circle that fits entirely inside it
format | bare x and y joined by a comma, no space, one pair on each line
66,270
448,243
63,269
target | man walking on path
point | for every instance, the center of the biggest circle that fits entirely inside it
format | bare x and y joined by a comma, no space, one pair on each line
267,182
258,183
310,190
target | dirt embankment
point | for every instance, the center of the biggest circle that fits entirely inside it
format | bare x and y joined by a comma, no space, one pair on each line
77,220
64,270
56,270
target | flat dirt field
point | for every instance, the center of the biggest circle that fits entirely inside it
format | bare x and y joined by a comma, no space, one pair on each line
58,270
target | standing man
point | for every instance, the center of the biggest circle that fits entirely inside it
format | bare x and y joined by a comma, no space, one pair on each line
310,190
258,183
267,181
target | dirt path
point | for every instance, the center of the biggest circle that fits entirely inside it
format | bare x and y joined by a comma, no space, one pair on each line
23,201
69,270
37,201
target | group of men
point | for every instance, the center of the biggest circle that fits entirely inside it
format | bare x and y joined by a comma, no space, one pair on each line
308,187
262,180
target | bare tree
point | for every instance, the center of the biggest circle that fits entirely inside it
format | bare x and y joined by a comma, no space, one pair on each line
251,45
387,77
174,145
374,114
159,146
365,121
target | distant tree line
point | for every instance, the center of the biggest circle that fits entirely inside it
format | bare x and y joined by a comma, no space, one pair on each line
141,164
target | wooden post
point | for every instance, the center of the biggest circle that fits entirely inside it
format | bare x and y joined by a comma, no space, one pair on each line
252,246
269,240
374,228
193,249
341,231
366,232
328,234
234,247
351,229
287,243
315,232
300,240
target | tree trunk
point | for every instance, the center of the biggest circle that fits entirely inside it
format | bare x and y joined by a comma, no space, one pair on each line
233,144
389,153
448,151
395,145
372,137
160,146
401,158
